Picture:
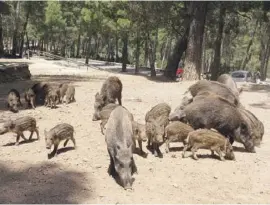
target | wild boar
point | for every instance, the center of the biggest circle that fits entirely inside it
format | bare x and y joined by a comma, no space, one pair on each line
227,80
139,134
209,139
70,94
215,113
118,136
20,125
156,120
62,90
30,98
13,100
176,132
54,136
110,91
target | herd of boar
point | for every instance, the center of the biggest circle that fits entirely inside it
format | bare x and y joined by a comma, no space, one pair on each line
210,116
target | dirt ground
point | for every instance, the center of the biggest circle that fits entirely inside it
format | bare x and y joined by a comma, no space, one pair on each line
80,176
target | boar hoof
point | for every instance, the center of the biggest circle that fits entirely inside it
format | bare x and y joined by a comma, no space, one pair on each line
17,143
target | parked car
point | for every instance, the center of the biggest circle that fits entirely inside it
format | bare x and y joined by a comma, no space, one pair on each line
241,76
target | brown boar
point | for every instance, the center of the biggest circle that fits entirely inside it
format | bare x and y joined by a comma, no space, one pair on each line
139,134
13,100
20,125
209,139
215,113
156,120
176,132
57,134
230,83
110,91
119,142
70,94
30,98
62,91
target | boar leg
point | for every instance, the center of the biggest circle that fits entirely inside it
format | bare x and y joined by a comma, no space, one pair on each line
140,146
167,148
194,150
23,136
65,143
31,134
134,167
37,132
219,153
186,147
111,169
74,141
157,152
17,139
54,152
119,100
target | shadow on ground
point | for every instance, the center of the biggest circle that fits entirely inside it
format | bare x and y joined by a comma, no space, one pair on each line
259,88
145,72
43,183
262,105
55,80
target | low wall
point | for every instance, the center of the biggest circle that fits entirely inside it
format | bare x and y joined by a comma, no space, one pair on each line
14,72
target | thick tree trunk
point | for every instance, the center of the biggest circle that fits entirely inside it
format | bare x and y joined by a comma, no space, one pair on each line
138,43
215,67
164,53
193,58
265,54
15,41
24,30
174,59
1,38
248,54
125,52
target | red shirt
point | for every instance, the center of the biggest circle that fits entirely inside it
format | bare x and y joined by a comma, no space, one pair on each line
179,71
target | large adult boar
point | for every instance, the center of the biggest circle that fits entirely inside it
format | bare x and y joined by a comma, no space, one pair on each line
118,136
20,125
209,139
254,125
13,100
216,88
110,91
156,120
227,80
212,112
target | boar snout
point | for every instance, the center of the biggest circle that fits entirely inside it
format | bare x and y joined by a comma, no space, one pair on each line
128,186
95,117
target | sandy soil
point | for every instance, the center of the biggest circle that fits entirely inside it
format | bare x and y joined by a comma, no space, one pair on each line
80,176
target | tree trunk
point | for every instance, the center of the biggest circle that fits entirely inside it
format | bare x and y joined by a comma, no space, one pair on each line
24,29
215,67
152,53
1,38
116,48
248,54
174,59
146,55
88,50
79,43
164,53
265,54
138,42
14,43
193,58
125,52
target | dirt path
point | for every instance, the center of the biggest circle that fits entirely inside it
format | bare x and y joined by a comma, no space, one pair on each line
80,176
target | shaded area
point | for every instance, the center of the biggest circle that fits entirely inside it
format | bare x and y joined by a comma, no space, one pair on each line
259,88
43,183
262,105
54,80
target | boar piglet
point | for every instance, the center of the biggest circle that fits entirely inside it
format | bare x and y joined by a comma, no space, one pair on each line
57,134
20,125
13,100
209,139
